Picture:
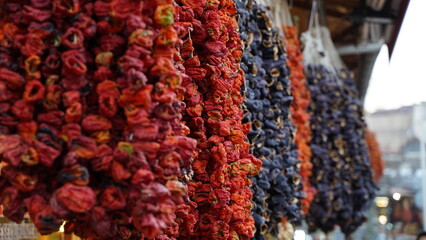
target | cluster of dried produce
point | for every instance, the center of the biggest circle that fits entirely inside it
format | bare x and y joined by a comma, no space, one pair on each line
363,186
299,107
342,171
90,123
144,119
277,189
219,192
376,159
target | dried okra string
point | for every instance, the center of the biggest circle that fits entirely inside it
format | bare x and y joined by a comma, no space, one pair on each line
341,171
277,189
91,129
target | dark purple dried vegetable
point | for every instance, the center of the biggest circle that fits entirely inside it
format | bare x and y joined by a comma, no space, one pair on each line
342,171
277,189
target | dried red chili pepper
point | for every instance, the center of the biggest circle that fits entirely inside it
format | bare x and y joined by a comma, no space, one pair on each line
73,63
30,157
34,91
96,123
73,38
12,79
74,113
23,182
13,156
70,131
33,14
32,64
51,66
164,15
23,110
40,3
8,142
107,105
27,131
75,198
85,147
76,174
53,97
70,7
42,215
52,117
86,25
32,45
12,202
299,108
47,154
108,86
208,103
113,199
375,155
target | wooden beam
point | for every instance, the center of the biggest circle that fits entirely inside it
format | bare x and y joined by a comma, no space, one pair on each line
350,30
360,49
307,5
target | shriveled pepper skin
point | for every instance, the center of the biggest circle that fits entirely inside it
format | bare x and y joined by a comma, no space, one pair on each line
375,154
299,108
91,117
210,54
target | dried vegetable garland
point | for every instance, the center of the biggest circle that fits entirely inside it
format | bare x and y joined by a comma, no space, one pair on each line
211,55
267,91
354,131
126,119
376,159
341,172
90,123
299,107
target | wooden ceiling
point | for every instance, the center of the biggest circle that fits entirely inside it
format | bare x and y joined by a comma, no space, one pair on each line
347,20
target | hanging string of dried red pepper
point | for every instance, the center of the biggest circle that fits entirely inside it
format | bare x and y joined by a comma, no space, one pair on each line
376,159
211,52
90,123
300,116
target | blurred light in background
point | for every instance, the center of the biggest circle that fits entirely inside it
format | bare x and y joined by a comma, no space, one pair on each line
381,202
62,228
396,196
299,235
383,219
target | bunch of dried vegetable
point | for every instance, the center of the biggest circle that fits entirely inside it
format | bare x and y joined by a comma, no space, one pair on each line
90,124
342,171
210,53
267,91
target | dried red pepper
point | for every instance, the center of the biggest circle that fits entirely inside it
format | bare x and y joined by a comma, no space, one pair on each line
91,117
376,159
210,90
299,108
